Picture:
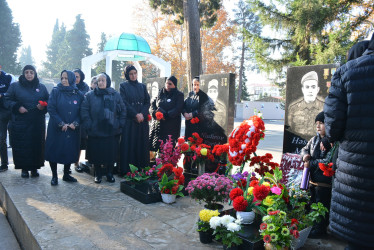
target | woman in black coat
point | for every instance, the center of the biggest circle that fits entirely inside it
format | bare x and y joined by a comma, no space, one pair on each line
169,102
84,88
349,116
103,114
63,136
193,107
135,136
28,121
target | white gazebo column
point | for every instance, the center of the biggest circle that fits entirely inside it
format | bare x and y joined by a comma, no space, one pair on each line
140,71
108,67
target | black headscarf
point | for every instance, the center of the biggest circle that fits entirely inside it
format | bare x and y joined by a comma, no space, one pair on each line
357,50
81,74
127,71
22,79
108,81
173,79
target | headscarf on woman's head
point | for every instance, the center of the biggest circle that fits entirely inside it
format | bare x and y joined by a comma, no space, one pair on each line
357,50
108,81
127,71
71,77
22,78
81,74
174,80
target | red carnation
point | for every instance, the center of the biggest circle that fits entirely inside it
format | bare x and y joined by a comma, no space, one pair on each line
260,192
235,193
294,221
267,238
240,204
43,103
195,120
181,140
159,115
184,147
296,234
174,189
149,117
181,180
242,183
254,183
274,212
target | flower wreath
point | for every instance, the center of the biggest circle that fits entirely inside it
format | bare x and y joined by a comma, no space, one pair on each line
244,139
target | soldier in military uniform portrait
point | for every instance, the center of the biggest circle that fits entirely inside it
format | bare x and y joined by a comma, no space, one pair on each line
301,112
220,107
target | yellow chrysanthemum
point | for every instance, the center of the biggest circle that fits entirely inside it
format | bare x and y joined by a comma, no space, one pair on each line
206,215
250,190
268,201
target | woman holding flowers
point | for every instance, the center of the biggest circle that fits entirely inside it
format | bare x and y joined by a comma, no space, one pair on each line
63,135
166,111
135,136
24,99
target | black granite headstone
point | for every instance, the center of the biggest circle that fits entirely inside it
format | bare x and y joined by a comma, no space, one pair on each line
154,85
307,88
220,121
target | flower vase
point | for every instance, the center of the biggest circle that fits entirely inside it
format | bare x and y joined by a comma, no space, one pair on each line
214,206
246,217
206,237
201,168
303,236
168,198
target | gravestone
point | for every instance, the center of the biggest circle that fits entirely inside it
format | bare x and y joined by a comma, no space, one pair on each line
220,121
154,85
307,88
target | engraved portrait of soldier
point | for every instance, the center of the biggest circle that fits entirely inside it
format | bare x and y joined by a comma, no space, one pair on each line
301,112
154,90
220,107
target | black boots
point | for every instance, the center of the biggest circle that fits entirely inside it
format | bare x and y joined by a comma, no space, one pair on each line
97,174
67,177
34,173
25,174
109,175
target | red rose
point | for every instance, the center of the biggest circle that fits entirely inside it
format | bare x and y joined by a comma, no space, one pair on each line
184,147
260,192
159,115
43,103
240,204
149,117
235,193
181,140
294,221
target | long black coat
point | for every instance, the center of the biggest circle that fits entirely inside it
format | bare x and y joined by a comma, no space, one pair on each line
28,129
92,113
64,108
349,118
170,104
135,137
194,104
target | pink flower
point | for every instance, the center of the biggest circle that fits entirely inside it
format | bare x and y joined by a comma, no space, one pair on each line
276,190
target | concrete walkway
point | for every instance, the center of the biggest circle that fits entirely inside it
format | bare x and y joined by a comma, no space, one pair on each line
86,215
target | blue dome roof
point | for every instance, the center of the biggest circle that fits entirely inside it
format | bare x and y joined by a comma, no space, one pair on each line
128,42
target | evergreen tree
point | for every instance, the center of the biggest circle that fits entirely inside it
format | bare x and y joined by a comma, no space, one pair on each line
100,66
10,40
74,47
246,22
245,96
309,32
58,38
26,57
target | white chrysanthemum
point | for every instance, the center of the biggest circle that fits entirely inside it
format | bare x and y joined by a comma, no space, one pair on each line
215,222
233,227
266,218
238,220
226,219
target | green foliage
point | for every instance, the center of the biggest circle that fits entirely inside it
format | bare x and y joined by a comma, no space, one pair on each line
26,57
170,185
307,32
10,40
58,36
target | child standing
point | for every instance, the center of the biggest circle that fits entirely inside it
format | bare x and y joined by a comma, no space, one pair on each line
315,152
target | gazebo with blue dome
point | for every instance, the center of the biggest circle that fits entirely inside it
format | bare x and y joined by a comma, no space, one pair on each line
126,47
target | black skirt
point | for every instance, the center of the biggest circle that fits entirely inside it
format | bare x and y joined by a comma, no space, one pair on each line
102,150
